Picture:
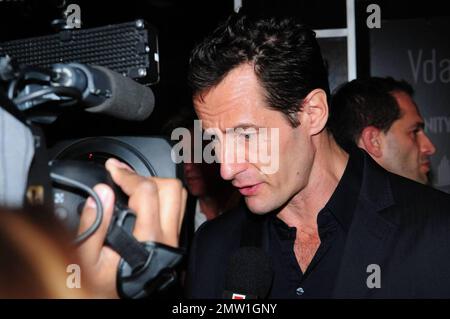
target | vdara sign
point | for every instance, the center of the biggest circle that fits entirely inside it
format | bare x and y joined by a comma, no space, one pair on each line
429,69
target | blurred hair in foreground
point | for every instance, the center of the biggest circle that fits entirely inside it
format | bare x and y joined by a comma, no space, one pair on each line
34,256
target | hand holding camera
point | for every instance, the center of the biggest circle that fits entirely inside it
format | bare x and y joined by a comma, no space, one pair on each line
159,206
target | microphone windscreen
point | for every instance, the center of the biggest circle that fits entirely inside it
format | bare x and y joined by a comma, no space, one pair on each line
129,101
249,273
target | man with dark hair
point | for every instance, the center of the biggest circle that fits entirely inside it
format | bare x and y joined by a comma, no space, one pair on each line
380,116
333,223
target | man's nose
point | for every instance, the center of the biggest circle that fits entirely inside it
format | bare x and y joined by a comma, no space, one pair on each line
228,171
427,147
230,166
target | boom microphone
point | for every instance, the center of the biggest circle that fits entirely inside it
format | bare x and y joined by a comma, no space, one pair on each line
105,91
249,275
129,100
96,88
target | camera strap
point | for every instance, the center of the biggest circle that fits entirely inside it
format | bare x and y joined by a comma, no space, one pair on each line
126,245
145,267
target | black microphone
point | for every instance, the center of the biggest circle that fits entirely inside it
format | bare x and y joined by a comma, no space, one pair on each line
249,275
105,91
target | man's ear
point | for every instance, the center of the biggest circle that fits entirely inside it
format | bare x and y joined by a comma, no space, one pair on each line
315,111
370,140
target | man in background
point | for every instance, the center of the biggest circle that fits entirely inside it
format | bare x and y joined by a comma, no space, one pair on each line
208,194
380,116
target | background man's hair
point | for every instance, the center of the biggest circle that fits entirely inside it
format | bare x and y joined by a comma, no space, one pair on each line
285,56
184,118
364,102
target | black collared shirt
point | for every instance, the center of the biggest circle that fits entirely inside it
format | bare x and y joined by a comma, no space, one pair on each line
333,222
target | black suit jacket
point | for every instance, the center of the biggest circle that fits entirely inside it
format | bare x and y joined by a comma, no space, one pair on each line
398,224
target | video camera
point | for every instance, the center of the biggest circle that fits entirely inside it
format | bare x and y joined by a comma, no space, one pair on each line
61,178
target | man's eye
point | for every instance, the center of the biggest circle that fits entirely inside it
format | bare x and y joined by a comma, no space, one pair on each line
416,131
248,136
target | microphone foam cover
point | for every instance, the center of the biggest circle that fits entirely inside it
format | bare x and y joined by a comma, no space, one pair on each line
249,272
129,101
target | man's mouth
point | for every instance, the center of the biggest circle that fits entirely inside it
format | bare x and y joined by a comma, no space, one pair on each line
250,190
425,166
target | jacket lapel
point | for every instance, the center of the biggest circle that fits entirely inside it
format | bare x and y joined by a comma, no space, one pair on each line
370,236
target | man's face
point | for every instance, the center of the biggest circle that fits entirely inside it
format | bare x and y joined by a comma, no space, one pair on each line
406,147
202,179
195,181
238,103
